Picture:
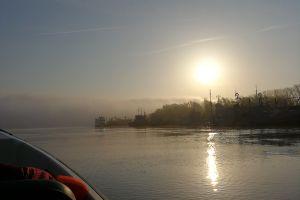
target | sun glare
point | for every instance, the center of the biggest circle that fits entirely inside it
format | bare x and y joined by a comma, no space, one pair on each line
207,72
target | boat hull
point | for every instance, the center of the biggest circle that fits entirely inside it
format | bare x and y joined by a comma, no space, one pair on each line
17,152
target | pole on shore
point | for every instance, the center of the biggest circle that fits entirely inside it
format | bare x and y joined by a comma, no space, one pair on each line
211,110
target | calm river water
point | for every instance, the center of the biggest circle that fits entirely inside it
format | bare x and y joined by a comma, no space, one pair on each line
129,163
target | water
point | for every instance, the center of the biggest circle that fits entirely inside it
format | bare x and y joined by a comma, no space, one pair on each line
130,163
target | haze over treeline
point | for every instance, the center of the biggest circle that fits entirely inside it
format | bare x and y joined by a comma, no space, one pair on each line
37,111
31,111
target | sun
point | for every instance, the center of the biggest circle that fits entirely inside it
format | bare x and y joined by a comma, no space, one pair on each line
207,72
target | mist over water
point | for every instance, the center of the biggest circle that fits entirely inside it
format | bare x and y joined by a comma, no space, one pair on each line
127,163
33,111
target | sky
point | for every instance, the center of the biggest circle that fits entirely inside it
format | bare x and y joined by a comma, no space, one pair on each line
120,50
146,49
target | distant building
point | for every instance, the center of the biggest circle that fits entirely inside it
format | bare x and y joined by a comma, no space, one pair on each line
100,122
139,120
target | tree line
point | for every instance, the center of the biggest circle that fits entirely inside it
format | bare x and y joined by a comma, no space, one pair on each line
279,107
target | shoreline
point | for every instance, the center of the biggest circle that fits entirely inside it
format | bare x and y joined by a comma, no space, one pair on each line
204,127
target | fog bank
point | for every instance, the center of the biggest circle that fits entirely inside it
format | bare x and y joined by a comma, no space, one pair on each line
30,111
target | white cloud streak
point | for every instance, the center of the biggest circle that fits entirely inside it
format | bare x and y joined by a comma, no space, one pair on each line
275,27
209,39
186,44
270,28
114,28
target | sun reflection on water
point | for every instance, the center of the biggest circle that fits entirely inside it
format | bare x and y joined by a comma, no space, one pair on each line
211,161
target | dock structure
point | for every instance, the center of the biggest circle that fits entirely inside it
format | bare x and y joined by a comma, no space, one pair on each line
140,119
100,122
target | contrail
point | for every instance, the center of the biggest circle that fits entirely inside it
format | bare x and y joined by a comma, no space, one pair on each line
270,28
83,30
186,44
276,27
193,42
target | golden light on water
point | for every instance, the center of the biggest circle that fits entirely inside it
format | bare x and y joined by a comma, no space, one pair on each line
208,71
211,162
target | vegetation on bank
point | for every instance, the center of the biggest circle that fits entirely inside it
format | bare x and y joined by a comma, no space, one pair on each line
270,108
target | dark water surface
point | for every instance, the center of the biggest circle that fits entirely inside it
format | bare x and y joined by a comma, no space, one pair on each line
130,163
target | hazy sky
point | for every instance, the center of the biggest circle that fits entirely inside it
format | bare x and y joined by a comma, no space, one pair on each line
141,49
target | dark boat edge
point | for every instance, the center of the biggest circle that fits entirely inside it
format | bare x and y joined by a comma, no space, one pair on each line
60,164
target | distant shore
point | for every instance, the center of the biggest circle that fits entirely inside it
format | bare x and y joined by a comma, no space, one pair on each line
278,108
206,127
